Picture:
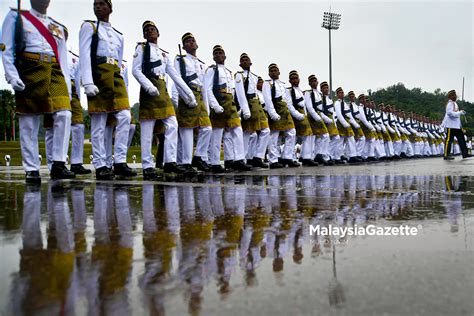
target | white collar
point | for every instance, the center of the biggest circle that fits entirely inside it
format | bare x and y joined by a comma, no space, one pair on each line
37,14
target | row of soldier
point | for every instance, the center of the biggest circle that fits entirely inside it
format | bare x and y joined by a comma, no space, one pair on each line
193,235
256,120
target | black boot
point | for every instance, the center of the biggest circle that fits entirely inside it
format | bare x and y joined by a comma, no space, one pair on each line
190,170
172,167
354,160
372,159
218,169
59,171
309,163
276,165
449,158
79,169
200,164
150,174
340,162
104,173
329,162
122,170
319,159
291,163
258,163
240,165
229,164
33,177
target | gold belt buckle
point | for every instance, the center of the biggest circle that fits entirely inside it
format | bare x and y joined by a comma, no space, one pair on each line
110,60
45,57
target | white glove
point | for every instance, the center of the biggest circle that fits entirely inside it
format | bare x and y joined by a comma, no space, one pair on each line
191,101
372,129
300,116
378,128
347,126
91,90
153,91
462,111
274,116
246,115
17,84
327,121
357,126
301,104
218,109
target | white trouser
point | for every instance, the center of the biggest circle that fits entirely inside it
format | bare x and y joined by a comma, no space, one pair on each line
77,143
57,139
186,137
131,132
98,124
261,144
360,146
369,148
170,145
48,146
250,140
334,147
408,148
418,148
108,143
434,149
233,144
427,149
397,147
274,149
389,148
321,146
349,146
307,147
379,149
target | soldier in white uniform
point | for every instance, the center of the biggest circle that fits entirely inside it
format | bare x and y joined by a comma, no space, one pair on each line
344,118
317,120
101,48
35,62
274,95
219,84
452,122
357,125
150,64
369,130
192,71
254,123
297,108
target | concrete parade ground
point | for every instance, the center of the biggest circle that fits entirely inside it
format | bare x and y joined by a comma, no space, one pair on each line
385,238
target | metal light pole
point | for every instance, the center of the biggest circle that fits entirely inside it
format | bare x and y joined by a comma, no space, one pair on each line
331,21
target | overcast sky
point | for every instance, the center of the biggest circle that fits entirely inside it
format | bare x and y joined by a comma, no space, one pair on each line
425,44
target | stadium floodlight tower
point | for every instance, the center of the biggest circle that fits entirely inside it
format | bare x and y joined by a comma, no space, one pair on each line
331,21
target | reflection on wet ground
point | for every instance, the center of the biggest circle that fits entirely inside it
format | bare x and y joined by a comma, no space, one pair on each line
237,245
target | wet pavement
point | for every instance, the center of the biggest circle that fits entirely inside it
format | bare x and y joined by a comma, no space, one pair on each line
241,244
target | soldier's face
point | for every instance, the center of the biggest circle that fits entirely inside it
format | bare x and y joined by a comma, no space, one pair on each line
313,84
101,9
260,85
40,5
325,90
453,97
340,94
352,98
245,63
151,34
362,101
274,73
219,56
190,45
295,81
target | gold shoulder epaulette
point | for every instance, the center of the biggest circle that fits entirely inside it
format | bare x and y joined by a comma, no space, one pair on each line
58,22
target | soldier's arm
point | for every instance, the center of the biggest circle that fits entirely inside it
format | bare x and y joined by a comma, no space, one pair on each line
289,102
267,96
63,57
240,91
450,111
309,106
183,90
85,39
208,85
340,117
137,69
363,119
8,38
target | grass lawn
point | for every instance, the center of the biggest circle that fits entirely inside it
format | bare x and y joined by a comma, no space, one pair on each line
13,149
